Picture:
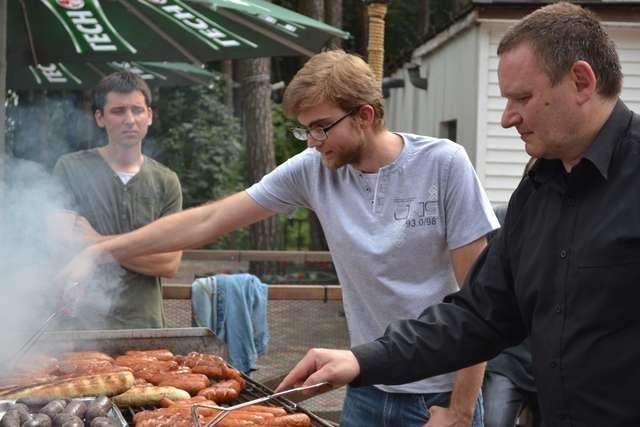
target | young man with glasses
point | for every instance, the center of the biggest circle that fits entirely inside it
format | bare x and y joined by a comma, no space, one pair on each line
404,216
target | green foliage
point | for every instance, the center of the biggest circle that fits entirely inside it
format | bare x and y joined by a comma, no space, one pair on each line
200,141
285,144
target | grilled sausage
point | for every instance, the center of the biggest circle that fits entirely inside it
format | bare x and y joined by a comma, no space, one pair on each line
192,383
38,420
294,420
99,407
160,354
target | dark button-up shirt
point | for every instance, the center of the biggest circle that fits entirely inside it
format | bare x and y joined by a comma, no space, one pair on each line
565,269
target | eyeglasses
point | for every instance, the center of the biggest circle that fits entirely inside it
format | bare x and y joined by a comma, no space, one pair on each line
319,133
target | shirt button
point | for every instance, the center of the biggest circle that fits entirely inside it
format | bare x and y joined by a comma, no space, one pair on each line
559,308
571,201
553,365
563,253
368,189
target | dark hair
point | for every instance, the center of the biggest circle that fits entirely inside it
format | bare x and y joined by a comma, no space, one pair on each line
121,82
561,34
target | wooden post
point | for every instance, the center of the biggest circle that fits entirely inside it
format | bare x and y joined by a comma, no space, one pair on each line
376,11
3,84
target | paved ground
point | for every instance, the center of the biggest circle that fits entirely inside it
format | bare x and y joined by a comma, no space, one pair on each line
294,327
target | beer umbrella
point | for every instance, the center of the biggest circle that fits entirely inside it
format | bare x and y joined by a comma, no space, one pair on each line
58,76
195,31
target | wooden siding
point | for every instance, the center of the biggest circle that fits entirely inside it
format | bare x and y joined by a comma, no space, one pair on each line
501,150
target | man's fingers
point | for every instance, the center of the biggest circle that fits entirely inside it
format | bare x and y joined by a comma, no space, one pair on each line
296,377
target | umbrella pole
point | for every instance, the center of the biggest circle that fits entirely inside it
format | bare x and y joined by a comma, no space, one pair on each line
376,12
3,84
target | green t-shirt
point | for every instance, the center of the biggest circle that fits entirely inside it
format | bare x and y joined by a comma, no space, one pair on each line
117,298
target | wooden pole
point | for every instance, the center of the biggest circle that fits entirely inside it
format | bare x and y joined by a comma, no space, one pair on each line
376,12
3,84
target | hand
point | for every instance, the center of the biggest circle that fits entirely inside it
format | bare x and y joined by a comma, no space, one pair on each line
76,272
337,367
447,417
85,231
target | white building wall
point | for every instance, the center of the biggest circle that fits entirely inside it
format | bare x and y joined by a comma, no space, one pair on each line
501,156
463,85
452,74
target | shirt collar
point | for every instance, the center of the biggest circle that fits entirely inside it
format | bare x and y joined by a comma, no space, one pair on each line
599,152
601,149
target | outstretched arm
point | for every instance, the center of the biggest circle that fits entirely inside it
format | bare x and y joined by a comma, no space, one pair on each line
162,265
187,229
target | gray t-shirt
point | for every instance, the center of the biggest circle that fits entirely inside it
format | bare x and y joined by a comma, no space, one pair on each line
390,241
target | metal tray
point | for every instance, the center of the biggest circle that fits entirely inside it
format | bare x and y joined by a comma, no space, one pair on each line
114,413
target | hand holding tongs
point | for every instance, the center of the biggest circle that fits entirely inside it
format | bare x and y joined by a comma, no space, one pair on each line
226,410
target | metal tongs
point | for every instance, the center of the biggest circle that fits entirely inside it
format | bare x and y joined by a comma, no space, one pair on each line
24,349
226,410
30,342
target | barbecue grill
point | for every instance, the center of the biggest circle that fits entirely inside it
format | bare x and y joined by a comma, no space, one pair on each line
177,340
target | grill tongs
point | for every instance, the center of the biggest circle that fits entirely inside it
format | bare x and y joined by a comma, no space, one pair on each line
226,410
29,343
24,349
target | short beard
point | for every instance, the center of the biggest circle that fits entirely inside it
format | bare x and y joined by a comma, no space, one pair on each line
351,157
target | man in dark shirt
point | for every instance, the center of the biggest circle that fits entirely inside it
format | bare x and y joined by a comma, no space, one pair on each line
565,269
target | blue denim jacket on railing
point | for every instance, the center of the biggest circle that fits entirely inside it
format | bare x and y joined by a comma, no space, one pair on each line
234,307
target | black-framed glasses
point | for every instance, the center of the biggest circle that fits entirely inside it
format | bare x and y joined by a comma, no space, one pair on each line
319,133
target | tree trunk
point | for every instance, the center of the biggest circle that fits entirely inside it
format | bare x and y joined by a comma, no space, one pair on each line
3,82
424,18
255,94
333,14
313,8
227,75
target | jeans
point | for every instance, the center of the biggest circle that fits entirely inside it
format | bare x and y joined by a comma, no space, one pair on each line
504,401
371,407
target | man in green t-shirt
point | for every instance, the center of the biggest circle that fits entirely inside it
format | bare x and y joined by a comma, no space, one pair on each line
116,189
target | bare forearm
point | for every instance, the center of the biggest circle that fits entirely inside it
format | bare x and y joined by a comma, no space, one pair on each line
160,265
466,389
187,229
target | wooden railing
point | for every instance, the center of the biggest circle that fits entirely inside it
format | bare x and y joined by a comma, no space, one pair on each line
279,291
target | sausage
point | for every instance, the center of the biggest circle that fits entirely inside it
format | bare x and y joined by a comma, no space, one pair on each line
160,354
103,402
94,412
293,420
38,420
34,402
62,418
77,408
191,383
103,422
73,422
11,418
54,407
23,410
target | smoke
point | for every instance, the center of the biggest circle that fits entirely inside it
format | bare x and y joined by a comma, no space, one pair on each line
38,238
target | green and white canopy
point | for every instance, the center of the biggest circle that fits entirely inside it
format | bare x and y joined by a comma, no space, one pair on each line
195,31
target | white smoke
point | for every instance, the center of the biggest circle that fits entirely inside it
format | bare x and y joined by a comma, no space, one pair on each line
37,239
